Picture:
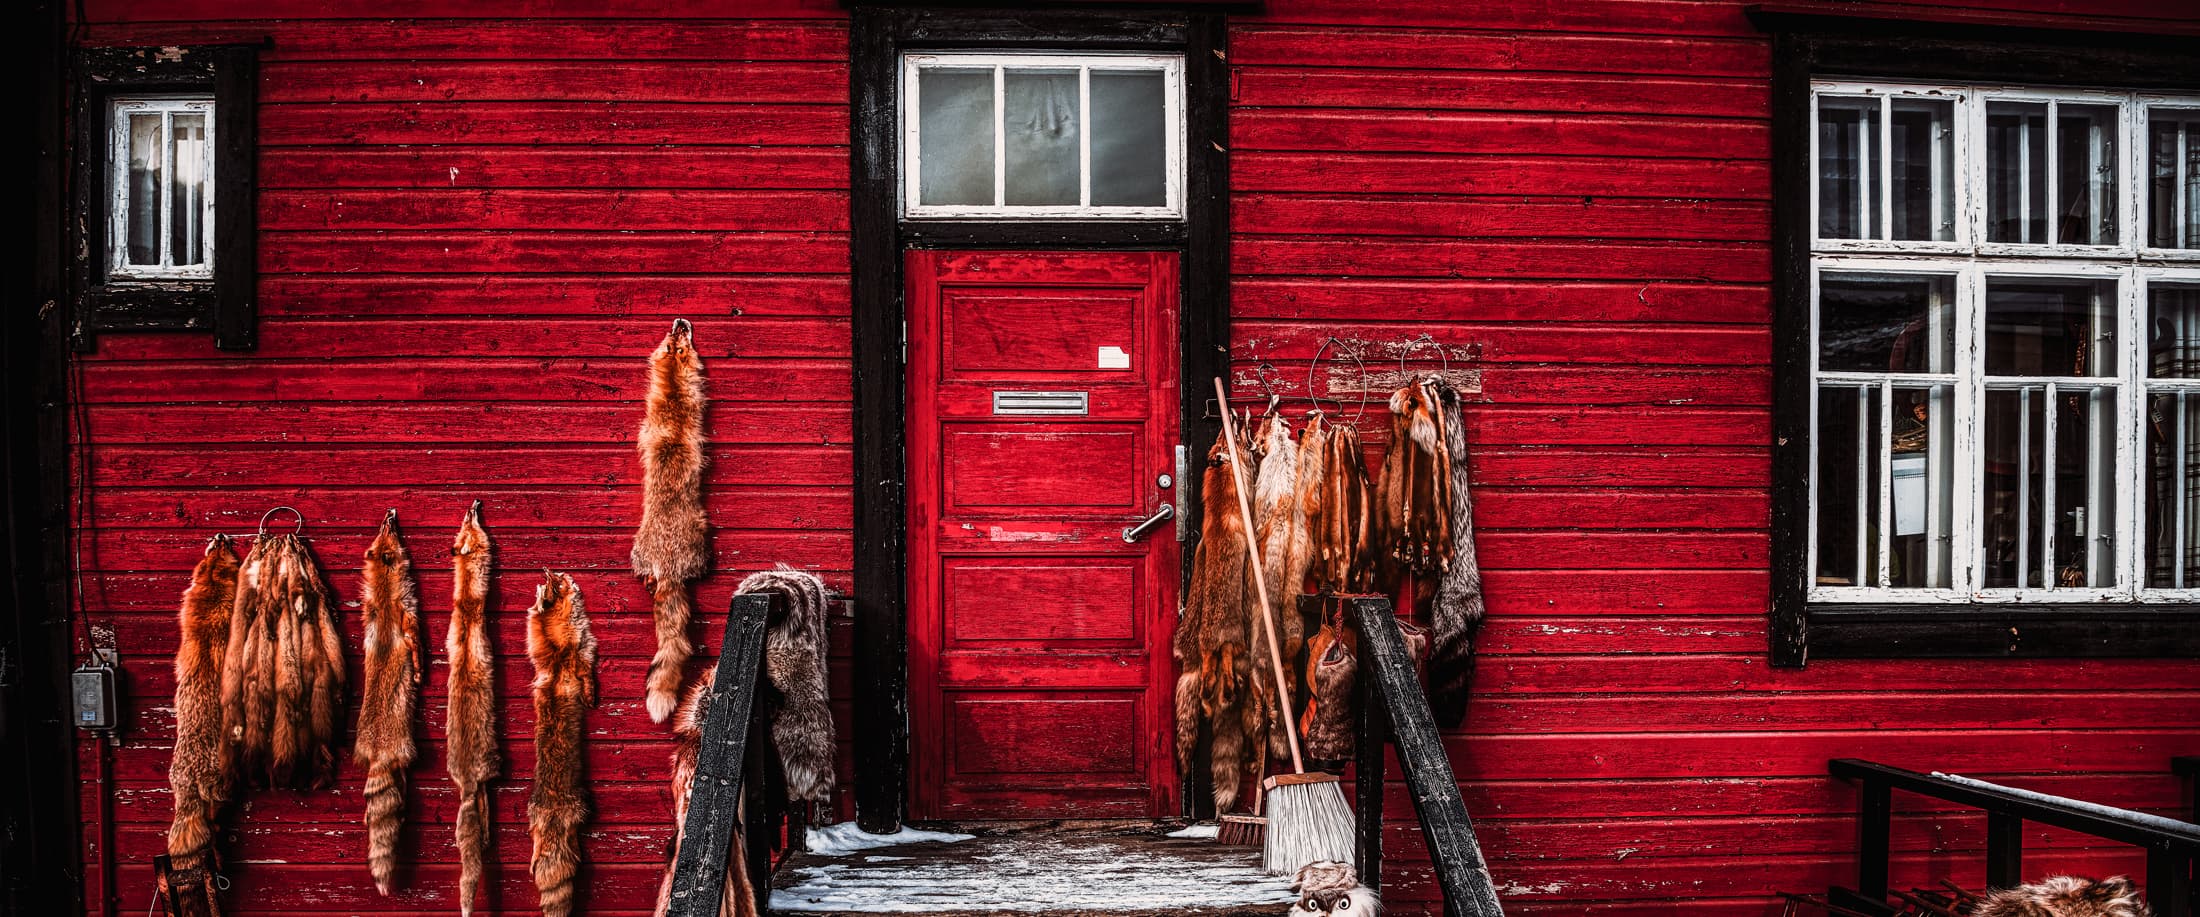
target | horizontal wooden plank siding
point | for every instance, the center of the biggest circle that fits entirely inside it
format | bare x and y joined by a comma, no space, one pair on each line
477,219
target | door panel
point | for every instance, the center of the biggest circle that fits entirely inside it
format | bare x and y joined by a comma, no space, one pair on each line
1038,639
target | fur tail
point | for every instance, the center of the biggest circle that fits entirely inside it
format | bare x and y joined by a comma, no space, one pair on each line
1187,718
385,811
473,836
556,861
668,669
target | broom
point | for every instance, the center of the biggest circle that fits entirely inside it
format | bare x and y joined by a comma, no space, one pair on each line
1308,821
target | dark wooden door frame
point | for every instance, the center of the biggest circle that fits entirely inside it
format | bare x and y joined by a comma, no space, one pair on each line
877,37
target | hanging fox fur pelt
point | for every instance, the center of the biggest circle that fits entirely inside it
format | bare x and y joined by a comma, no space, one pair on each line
1343,520
794,663
1457,612
564,653
1306,506
1332,664
389,600
198,771
737,898
1416,515
283,672
470,737
672,545
1276,513
1213,666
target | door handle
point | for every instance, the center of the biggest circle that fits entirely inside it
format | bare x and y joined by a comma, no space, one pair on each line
1134,532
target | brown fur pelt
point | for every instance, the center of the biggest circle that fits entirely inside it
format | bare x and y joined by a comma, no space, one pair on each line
1332,665
564,652
1415,505
470,737
198,771
1456,614
672,545
1213,665
389,600
737,898
1342,521
2066,896
283,672
794,663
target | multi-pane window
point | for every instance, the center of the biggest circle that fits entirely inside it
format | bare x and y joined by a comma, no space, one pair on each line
1043,136
160,189
2006,319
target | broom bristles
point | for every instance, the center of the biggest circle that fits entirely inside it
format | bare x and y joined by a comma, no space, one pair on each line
1308,822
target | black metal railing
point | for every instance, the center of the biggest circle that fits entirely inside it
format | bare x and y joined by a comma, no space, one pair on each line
1393,710
735,762
2171,846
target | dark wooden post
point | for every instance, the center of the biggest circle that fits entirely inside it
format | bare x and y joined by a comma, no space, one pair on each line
1450,832
2004,850
2169,882
1874,821
714,799
1372,733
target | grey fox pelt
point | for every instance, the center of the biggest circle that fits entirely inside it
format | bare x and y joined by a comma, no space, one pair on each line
198,772
737,898
283,672
2066,896
1276,512
1456,614
794,663
470,736
1416,514
564,653
672,545
389,600
1213,665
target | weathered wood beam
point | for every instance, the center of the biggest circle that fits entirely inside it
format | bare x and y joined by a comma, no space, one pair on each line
714,798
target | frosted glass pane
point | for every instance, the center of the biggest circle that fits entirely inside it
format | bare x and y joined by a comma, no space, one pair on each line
1129,159
1040,130
188,190
955,136
144,191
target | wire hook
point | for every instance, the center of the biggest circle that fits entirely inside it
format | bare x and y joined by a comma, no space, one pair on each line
300,530
1415,344
1311,367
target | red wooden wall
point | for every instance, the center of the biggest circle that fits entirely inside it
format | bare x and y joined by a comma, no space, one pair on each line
474,229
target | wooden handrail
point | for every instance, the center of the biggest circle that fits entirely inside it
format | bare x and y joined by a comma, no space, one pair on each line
1392,705
2172,847
714,797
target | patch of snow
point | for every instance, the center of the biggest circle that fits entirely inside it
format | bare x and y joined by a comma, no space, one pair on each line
1040,874
1204,829
880,859
845,838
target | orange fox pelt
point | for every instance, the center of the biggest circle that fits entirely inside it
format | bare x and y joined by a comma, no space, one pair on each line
283,672
389,600
1211,649
198,772
471,717
564,653
671,547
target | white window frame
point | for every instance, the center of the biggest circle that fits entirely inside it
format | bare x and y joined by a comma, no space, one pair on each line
119,112
1172,70
1973,263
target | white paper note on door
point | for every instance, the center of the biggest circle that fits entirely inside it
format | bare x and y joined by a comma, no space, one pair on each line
1114,358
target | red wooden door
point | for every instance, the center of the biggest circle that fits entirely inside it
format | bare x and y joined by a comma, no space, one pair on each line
1039,671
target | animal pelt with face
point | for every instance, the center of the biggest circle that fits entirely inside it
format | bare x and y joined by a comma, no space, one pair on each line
283,671
794,664
2066,896
198,772
564,653
1456,613
470,737
671,547
1332,888
1210,648
736,897
390,602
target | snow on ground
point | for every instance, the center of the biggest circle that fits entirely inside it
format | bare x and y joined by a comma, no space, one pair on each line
845,838
1197,831
1025,873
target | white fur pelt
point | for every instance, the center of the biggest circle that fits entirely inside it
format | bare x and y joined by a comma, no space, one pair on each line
1332,888
1457,612
794,664
1276,519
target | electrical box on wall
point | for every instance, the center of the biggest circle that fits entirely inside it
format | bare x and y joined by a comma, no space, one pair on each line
92,692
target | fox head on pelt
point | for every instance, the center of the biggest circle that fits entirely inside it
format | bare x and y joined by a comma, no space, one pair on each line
2067,896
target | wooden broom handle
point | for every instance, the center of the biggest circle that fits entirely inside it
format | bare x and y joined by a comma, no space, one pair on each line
1260,580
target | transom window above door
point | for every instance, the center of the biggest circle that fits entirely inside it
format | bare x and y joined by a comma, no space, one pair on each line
2005,320
1045,136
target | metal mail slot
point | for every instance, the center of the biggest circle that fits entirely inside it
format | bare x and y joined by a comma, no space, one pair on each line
1039,403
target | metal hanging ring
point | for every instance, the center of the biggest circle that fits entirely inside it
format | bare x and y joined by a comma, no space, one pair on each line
1311,367
300,530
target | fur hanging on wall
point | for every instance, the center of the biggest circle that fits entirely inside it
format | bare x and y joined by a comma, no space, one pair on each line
1456,614
389,600
564,652
672,545
283,672
1343,520
794,663
1332,667
198,771
2066,896
1213,665
1416,512
1306,510
470,736
1276,514
737,898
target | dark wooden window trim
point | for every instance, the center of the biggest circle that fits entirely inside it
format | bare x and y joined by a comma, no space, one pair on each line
224,305
1810,44
878,35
